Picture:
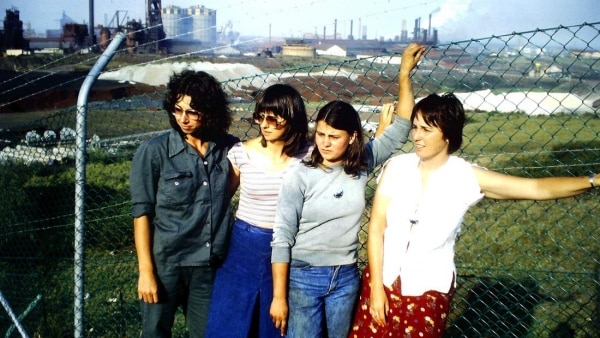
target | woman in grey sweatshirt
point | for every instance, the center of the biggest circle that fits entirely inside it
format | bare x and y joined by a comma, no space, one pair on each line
315,238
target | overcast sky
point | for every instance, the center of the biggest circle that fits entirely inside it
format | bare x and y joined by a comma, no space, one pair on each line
455,20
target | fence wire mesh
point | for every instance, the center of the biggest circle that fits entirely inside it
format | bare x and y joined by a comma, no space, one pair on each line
525,269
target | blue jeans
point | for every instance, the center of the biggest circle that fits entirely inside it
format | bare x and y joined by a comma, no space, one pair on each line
243,289
188,287
321,299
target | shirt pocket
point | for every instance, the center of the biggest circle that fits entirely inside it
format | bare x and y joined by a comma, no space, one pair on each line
177,188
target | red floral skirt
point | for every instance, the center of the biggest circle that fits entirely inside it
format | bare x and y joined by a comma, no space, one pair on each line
409,316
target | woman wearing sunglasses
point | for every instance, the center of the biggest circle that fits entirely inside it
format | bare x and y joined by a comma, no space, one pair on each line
243,287
315,238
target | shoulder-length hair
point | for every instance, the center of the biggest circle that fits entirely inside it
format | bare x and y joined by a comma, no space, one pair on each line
208,97
342,116
285,101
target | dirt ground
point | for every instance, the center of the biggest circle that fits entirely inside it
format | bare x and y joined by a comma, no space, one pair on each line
30,90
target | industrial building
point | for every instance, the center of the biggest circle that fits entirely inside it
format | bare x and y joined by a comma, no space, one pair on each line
11,34
196,23
193,30
298,50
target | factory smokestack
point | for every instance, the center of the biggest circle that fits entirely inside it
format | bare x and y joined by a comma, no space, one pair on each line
360,28
335,29
429,28
92,36
417,30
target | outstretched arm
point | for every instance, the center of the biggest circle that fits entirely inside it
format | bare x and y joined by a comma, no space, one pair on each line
406,99
501,186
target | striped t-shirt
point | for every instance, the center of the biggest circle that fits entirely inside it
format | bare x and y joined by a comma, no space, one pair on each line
259,189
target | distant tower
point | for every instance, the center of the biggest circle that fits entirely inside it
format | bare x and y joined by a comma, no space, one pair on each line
203,23
13,31
360,28
156,34
335,29
404,33
92,35
429,29
351,36
173,23
364,32
417,30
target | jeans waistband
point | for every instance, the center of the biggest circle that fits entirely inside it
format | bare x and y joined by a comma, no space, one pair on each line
249,227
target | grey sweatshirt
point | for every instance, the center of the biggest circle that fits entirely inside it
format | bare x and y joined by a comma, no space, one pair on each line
319,210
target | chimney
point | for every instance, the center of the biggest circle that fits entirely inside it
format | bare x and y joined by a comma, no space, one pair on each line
416,31
360,28
335,29
429,29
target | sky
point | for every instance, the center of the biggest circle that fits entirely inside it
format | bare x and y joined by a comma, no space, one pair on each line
455,20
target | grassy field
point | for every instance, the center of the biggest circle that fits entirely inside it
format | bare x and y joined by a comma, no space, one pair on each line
528,269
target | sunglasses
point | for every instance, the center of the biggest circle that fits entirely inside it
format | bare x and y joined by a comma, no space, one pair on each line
272,120
192,114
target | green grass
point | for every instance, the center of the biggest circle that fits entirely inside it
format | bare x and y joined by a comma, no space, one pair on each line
549,249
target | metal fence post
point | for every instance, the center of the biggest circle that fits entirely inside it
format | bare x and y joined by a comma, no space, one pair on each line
80,179
13,317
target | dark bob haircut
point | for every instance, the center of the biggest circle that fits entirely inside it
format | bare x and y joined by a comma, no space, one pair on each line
445,112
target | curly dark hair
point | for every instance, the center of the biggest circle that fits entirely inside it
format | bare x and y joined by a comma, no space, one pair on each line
341,115
208,97
445,112
285,101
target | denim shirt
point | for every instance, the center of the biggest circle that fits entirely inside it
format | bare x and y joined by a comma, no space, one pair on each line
185,196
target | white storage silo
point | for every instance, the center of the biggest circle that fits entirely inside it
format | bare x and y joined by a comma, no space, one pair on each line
204,24
174,23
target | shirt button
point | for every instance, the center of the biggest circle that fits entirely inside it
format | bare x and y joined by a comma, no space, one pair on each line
204,183
207,244
205,162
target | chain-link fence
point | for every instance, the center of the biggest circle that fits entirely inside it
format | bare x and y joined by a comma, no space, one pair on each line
525,269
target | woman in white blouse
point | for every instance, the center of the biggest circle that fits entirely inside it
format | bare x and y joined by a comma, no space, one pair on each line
418,209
